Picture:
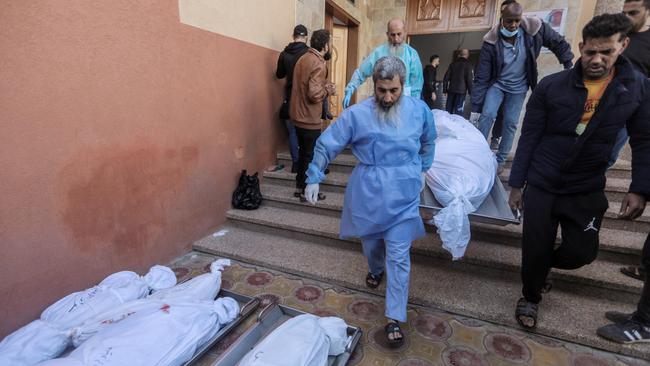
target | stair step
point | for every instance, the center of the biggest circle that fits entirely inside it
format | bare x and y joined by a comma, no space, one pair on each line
614,243
485,293
599,274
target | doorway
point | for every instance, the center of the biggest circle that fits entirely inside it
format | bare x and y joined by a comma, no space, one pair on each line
345,37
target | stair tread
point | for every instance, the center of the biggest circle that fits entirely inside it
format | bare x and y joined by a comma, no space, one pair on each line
599,273
436,283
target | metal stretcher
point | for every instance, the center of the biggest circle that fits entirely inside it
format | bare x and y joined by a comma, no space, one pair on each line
494,210
247,306
271,317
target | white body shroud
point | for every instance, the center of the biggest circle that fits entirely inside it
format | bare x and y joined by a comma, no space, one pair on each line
461,177
305,340
202,287
159,333
49,336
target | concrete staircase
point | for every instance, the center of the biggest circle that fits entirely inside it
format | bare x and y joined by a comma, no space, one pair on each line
299,238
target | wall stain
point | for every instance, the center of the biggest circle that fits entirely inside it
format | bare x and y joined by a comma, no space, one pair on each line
124,198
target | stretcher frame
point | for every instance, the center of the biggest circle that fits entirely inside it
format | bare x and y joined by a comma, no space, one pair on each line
247,304
268,319
494,210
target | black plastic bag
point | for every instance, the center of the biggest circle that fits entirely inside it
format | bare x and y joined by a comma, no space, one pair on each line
247,196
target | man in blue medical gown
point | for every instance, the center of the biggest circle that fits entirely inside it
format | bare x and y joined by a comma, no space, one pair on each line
392,135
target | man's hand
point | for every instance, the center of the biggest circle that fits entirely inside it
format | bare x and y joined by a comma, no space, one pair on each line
632,206
346,99
311,193
433,97
473,118
331,89
515,200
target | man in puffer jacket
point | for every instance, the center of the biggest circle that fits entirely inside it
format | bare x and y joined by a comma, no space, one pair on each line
507,67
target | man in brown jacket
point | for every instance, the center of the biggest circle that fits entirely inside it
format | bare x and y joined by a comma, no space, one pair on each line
310,87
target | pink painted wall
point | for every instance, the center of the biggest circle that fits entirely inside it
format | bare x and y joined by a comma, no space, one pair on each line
122,135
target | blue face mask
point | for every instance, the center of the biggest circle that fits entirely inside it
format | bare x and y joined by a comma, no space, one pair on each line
507,33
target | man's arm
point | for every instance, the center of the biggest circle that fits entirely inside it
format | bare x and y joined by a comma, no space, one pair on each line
415,75
482,77
316,90
638,128
557,44
445,81
280,71
362,73
427,139
429,81
532,130
330,143
468,77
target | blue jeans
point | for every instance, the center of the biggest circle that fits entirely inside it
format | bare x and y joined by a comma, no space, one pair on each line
512,104
621,140
293,140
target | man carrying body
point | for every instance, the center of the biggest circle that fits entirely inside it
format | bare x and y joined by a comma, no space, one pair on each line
286,62
310,88
392,135
430,73
568,132
508,67
458,82
396,46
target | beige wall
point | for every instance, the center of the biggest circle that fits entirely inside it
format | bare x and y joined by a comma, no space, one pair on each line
260,22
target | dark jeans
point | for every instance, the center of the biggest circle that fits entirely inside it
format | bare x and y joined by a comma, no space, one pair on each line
306,142
579,215
643,310
455,103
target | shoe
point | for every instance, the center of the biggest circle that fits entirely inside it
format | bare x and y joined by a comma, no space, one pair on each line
618,317
629,332
636,272
294,168
326,171
494,144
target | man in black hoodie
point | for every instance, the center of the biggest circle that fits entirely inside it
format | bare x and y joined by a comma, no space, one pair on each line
286,61
458,82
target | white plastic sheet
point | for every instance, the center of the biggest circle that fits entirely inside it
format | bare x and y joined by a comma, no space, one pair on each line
305,340
203,287
167,336
49,336
461,177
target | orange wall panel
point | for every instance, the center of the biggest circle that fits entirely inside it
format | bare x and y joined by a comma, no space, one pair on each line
123,132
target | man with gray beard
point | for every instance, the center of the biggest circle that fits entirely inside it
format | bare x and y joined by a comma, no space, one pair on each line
392,135
396,46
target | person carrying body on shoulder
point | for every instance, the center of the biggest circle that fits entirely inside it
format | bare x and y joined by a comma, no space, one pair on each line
568,132
507,67
392,135
395,46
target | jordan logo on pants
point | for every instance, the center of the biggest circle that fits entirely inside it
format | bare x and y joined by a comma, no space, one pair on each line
591,225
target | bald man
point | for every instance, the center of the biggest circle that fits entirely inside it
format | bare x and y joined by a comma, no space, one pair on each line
395,46
458,82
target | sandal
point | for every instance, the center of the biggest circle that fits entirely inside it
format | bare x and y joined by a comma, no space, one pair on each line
391,328
526,313
548,284
373,281
636,272
321,197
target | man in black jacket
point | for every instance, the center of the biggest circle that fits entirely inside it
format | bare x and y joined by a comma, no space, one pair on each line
286,61
429,88
570,126
458,82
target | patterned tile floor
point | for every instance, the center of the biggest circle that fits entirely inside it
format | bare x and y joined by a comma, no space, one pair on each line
432,337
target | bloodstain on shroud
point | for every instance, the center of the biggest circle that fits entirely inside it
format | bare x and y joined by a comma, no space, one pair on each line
125,198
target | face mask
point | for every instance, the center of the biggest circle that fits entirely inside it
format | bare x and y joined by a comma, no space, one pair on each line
506,33
327,56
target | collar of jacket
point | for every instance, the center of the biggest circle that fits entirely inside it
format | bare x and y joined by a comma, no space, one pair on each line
530,25
624,72
315,52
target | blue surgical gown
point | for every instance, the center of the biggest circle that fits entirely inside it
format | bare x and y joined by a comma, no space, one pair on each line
414,79
383,190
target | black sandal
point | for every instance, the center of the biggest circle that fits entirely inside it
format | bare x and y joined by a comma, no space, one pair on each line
548,284
373,281
321,197
636,272
393,327
526,311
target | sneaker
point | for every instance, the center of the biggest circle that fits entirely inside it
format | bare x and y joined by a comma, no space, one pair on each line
494,144
618,317
629,332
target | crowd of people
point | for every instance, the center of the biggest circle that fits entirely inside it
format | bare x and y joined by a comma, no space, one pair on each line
575,123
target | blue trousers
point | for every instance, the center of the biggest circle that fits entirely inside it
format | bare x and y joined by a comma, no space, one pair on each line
393,257
512,103
621,140
293,140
